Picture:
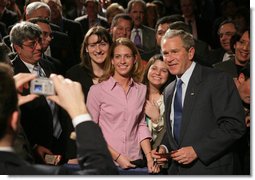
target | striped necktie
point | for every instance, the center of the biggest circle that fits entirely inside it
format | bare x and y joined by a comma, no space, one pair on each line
54,108
38,70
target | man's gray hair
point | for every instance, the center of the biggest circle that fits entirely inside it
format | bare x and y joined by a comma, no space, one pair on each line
36,5
187,38
23,31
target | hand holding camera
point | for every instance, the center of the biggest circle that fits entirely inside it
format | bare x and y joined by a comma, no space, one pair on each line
21,82
42,86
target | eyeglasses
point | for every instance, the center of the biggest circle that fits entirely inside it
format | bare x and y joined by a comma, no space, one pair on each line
47,34
32,44
125,56
100,44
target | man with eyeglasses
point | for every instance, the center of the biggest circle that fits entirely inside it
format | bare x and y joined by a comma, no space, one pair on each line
226,30
38,116
47,37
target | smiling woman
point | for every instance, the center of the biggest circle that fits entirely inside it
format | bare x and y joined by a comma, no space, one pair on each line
117,106
94,51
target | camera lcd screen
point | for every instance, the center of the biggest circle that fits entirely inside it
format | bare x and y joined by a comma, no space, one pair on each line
38,88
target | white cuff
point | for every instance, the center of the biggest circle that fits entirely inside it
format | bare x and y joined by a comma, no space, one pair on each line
165,148
81,118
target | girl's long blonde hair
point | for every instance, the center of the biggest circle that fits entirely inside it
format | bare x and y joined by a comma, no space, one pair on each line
137,70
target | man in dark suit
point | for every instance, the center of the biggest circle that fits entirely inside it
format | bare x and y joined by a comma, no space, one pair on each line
143,36
92,17
61,47
70,27
94,157
226,30
47,37
204,114
39,116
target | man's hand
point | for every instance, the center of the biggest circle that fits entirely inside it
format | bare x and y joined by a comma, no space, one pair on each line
41,151
69,95
185,155
22,81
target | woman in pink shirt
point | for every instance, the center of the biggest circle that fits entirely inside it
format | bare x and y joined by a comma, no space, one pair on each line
117,105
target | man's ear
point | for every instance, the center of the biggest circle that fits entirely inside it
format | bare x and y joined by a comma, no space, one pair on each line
14,121
241,78
191,53
17,48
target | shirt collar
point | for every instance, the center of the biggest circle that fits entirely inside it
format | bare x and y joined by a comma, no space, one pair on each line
186,76
112,83
7,149
134,30
29,66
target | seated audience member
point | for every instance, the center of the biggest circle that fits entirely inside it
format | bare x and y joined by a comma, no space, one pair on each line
47,37
60,47
70,27
142,36
156,76
92,17
225,31
94,158
151,15
112,11
117,103
240,45
47,135
121,26
199,27
161,27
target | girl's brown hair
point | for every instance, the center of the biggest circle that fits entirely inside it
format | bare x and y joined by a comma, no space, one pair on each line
103,35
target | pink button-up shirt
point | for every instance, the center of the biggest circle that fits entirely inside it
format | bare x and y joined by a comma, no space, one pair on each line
120,115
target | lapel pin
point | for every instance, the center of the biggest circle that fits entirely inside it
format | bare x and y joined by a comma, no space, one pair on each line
192,94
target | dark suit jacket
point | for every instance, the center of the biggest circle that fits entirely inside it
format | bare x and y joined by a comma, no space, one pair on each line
229,67
9,18
61,48
80,74
84,21
94,157
212,120
74,31
149,43
215,56
58,65
36,116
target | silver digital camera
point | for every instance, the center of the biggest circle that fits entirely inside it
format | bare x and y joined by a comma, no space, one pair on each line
42,86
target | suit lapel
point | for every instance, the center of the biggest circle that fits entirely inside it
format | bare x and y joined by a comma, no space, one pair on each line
168,102
19,66
190,99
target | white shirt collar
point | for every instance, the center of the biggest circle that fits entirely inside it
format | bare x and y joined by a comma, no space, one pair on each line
7,149
186,76
29,66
